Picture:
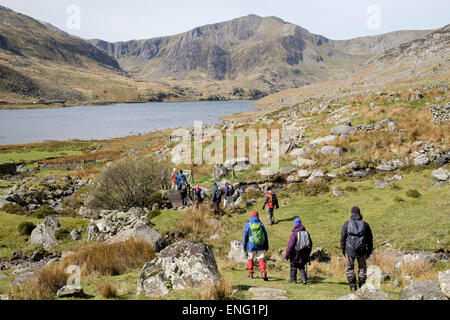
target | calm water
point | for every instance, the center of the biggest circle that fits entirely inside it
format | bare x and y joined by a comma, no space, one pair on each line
104,122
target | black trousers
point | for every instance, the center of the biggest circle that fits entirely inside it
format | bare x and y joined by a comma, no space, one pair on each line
293,271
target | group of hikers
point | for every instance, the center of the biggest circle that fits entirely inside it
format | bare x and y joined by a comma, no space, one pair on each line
356,236
356,244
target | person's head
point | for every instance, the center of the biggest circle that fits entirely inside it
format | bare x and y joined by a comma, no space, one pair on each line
197,188
269,188
181,171
254,214
226,182
215,184
297,222
355,212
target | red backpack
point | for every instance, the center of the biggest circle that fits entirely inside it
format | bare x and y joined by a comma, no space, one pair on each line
271,199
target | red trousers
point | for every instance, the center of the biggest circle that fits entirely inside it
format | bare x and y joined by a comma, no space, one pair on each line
262,266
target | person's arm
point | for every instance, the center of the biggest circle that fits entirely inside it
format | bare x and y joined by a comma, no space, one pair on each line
178,179
265,202
344,237
291,245
276,204
369,238
245,238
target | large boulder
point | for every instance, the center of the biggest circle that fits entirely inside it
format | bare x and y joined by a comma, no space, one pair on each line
440,174
421,160
326,150
323,139
319,254
343,129
182,265
316,176
420,258
237,254
424,290
368,292
44,236
70,291
52,222
219,171
444,281
141,232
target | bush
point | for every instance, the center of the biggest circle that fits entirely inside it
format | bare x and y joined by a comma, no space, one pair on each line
25,228
413,194
315,189
107,290
350,189
155,198
42,212
153,214
128,183
61,234
398,199
13,208
218,290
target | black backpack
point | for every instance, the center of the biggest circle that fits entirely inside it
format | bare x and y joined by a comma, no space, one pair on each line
230,190
182,186
355,238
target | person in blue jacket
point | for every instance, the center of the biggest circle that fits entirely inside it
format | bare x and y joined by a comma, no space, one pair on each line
180,177
255,242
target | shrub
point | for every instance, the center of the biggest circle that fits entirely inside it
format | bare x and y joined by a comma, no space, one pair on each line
111,258
128,183
25,228
62,234
153,214
398,199
218,290
13,208
107,290
42,212
413,193
155,198
315,189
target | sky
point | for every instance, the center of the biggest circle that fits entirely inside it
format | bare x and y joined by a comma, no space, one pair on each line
114,20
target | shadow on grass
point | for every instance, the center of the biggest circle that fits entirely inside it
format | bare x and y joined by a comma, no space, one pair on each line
284,220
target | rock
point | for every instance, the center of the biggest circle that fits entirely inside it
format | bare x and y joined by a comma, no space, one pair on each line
367,292
75,234
141,232
230,163
444,282
267,294
440,174
427,290
386,167
236,253
287,170
219,171
298,152
421,160
93,232
302,163
52,222
69,291
44,236
319,254
323,140
440,184
37,256
304,173
182,265
326,150
343,129
416,258
315,176
381,184
336,192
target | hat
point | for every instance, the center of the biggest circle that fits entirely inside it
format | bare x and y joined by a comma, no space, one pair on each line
269,188
254,214
197,187
297,222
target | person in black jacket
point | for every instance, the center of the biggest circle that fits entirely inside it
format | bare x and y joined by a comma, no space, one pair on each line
356,244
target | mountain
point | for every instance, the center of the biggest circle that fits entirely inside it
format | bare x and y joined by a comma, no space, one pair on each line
244,58
254,48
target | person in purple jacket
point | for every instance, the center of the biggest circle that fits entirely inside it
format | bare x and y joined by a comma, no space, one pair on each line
298,258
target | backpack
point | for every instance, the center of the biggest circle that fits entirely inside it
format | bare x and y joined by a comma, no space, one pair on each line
202,195
217,195
230,190
355,231
182,185
257,238
303,241
271,199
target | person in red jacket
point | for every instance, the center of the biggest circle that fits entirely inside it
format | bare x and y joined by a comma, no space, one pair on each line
272,202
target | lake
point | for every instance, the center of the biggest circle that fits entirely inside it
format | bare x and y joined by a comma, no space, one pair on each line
111,121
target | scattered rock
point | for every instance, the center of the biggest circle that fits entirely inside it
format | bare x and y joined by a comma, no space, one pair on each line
236,253
440,174
444,282
425,290
141,232
260,293
75,234
52,222
343,129
421,160
182,265
44,236
70,291
367,292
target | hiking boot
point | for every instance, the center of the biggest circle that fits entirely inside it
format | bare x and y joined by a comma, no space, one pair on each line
304,281
353,288
361,283
265,277
250,275
292,281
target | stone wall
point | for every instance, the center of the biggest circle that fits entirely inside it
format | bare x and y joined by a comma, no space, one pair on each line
440,113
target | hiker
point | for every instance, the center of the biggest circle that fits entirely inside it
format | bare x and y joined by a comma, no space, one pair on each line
298,251
216,198
174,177
272,202
356,243
255,242
228,195
182,187
199,196
164,177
